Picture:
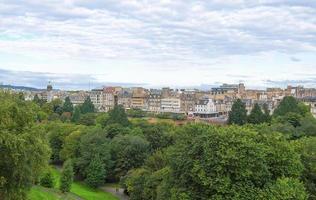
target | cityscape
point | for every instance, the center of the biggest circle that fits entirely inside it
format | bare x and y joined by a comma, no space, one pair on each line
209,105
158,100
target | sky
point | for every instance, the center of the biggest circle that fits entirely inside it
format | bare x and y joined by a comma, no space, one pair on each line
81,44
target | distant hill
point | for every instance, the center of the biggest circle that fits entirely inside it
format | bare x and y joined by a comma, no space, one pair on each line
19,87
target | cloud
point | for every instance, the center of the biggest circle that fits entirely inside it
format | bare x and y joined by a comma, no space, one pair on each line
163,35
294,59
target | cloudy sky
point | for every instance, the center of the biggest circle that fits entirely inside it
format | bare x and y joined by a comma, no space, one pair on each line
157,42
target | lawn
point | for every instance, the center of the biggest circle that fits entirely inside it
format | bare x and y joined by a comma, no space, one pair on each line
78,191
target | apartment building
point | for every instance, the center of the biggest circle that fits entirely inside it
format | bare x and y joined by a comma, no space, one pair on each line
170,105
205,108
96,96
154,100
139,98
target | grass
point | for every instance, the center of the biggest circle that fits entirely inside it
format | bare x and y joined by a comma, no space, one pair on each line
89,193
78,191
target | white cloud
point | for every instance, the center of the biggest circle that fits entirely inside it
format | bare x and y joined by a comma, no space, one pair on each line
162,34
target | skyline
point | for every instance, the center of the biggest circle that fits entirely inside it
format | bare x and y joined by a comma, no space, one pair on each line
158,43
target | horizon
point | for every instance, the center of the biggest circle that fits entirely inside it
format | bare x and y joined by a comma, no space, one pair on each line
158,43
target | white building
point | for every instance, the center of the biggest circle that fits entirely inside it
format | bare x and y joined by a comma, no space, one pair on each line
170,105
96,97
205,108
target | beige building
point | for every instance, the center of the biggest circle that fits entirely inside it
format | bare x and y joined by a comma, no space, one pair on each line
139,97
170,105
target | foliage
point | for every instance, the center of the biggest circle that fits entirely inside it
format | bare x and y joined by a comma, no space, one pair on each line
219,163
266,111
238,113
47,179
113,130
256,115
286,188
57,132
87,119
307,147
128,152
102,119
96,172
66,178
87,106
137,113
94,154
24,150
117,116
173,116
76,115
290,105
68,106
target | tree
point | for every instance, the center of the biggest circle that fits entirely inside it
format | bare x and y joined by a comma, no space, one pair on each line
66,178
286,188
94,153
47,179
38,101
290,105
76,115
57,106
24,151
87,119
68,107
87,106
228,163
238,114
267,116
118,116
256,115
96,172
307,147
128,152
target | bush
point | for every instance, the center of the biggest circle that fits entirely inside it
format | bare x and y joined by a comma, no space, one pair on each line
66,177
47,180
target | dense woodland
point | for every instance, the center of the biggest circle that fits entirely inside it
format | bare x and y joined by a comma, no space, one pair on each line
256,156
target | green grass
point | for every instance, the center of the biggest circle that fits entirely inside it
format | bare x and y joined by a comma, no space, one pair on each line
39,193
42,193
78,189
89,193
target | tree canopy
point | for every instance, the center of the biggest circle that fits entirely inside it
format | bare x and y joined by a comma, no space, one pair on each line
238,113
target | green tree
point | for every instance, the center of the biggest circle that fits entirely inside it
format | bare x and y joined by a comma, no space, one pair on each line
66,178
88,119
118,116
256,115
286,188
94,145
96,172
238,114
229,162
57,106
128,152
288,105
24,151
266,111
87,106
307,147
38,101
47,179
76,115
68,106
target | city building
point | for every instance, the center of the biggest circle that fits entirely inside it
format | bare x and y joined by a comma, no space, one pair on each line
170,105
139,98
154,100
205,108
